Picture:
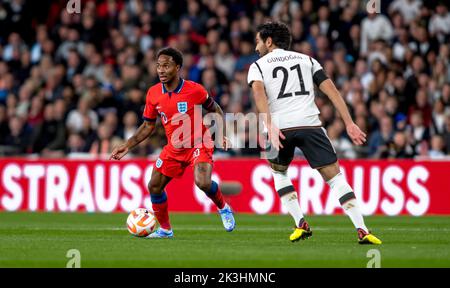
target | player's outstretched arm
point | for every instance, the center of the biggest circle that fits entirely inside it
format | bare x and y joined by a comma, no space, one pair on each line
143,132
358,137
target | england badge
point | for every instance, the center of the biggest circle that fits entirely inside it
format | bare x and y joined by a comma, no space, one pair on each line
182,107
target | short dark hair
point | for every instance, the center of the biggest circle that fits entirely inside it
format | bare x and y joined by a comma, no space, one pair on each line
174,53
279,32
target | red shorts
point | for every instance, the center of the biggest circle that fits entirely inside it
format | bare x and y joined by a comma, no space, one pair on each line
172,163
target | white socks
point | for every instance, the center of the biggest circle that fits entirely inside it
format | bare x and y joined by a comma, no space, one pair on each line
287,194
290,202
340,187
282,182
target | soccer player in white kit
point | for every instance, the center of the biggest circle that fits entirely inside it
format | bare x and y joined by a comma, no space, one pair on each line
282,82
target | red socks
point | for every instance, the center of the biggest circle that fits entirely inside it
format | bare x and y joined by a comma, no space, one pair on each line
215,195
160,204
160,208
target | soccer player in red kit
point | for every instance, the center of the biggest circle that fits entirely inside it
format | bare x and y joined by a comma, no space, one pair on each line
175,99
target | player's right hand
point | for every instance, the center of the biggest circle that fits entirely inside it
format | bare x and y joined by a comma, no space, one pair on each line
119,151
358,137
274,137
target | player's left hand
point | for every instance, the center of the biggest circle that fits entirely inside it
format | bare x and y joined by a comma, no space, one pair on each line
358,137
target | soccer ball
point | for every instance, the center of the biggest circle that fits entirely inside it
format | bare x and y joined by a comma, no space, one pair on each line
141,222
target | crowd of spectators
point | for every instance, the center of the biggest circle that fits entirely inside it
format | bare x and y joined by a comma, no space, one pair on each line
75,83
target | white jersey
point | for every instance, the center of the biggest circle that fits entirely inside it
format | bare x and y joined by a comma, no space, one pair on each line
289,85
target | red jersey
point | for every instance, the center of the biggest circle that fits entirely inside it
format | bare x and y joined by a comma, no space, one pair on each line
184,128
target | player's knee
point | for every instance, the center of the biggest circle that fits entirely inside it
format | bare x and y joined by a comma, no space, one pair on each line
154,187
155,190
330,171
203,184
279,168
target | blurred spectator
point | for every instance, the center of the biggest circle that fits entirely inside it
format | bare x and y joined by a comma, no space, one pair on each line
375,26
36,112
247,56
392,68
438,117
382,136
70,41
447,134
397,148
37,48
437,150
421,43
6,83
210,82
105,142
162,20
75,64
4,127
409,9
439,25
421,106
134,101
417,129
50,134
327,115
88,133
224,60
18,138
130,125
379,76
209,63
75,145
401,45
24,100
111,119
15,46
75,118
94,67
283,10
45,131
412,82
54,84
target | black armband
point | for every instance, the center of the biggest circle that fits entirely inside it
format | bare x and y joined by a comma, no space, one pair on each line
319,77
209,104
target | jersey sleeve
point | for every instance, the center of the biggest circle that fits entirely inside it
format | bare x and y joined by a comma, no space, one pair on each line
150,112
202,94
254,74
317,71
204,99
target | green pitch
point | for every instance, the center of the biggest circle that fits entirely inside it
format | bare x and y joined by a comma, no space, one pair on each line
42,240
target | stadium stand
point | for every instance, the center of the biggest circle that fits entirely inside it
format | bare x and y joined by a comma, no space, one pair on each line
75,84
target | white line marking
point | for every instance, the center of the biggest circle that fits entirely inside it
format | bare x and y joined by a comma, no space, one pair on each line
220,228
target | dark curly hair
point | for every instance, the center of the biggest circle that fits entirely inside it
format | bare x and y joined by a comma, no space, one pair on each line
174,53
279,32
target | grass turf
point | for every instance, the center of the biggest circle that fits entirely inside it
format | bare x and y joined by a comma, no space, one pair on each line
43,239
